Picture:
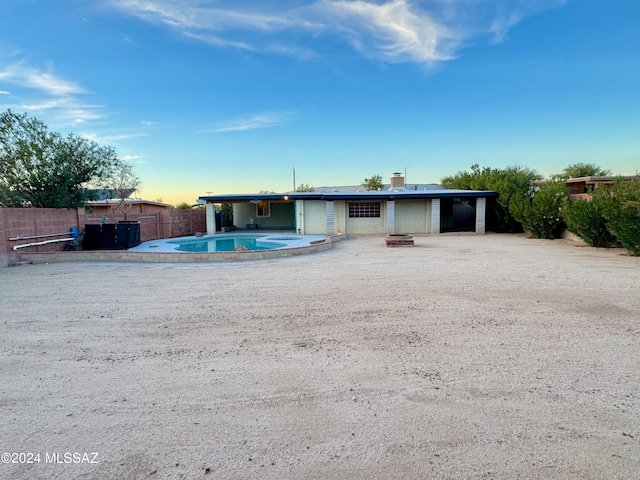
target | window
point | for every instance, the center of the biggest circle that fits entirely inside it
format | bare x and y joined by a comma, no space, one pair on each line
263,210
364,210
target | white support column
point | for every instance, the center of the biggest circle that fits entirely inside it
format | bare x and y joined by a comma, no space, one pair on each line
300,216
330,219
391,217
210,210
435,216
481,214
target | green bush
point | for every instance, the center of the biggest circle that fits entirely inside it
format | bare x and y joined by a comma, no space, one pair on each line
539,213
227,214
621,209
586,219
625,225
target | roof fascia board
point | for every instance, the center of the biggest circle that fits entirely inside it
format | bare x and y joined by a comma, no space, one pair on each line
373,195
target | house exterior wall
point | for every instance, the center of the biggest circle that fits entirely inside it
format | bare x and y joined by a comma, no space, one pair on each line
315,217
340,216
358,226
280,215
413,216
243,213
397,215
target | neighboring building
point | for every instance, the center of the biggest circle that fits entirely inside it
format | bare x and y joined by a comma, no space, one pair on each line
586,184
133,205
423,209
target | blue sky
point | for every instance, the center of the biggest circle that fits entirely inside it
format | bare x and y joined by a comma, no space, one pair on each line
228,97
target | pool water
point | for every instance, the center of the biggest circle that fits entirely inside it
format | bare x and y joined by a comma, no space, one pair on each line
224,244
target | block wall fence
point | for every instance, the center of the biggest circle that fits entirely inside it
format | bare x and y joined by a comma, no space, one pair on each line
19,226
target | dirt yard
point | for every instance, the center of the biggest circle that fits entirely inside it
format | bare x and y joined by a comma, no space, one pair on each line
464,357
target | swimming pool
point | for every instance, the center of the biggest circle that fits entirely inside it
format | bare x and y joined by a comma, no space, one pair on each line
228,243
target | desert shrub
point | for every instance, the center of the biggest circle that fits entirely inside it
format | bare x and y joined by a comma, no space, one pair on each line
539,213
621,209
586,219
625,225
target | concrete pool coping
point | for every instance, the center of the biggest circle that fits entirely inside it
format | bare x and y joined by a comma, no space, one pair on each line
270,240
127,256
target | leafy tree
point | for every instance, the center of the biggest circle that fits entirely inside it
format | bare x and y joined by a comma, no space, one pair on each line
40,168
304,188
373,183
539,213
577,170
512,184
123,182
183,206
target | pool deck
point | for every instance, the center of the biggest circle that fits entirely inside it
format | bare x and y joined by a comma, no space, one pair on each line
154,256
290,240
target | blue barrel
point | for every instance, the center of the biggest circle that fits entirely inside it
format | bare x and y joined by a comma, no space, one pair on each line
73,231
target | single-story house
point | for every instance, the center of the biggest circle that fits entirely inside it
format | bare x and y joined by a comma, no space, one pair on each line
393,210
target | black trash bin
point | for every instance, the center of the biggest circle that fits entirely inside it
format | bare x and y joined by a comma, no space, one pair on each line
110,236
128,235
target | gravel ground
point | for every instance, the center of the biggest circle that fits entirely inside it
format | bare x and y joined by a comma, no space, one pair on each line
479,357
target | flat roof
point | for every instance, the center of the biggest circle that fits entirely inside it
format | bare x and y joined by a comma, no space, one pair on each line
599,178
397,193
116,201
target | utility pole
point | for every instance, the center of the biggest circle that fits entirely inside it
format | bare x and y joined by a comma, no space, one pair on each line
294,179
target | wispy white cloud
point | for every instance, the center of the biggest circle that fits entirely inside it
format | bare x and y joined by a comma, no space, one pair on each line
392,32
46,82
113,138
252,122
137,159
5,92
418,31
43,92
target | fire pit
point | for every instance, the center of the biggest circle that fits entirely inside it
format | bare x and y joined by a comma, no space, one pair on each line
399,240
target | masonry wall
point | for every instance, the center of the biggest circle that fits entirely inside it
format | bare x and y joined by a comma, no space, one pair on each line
315,217
359,226
187,222
413,216
340,215
45,224
19,226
